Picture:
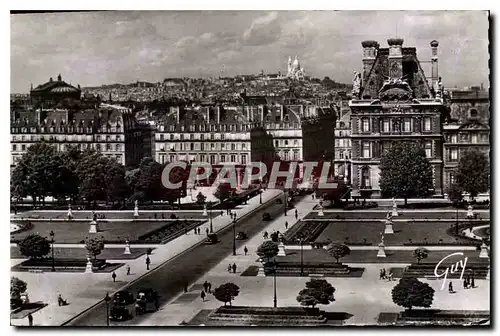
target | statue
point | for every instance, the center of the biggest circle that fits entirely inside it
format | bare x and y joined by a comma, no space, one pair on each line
356,84
136,204
94,216
382,239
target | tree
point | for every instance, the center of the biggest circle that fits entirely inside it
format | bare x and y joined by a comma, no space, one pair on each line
117,188
420,254
223,191
267,250
410,292
226,292
455,195
91,172
338,251
17,287
405,172
34,246
200,198
317,291
473,173
94,246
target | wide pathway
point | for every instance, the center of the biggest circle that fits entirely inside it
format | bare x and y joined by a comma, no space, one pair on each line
81,296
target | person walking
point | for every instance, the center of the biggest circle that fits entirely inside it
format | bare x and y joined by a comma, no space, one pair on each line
128,269
472,284
465,284
234,268
286,225
381,275
203,296
229,268
206,231
195,232
209,286
148,262
205,286
185,286
113,276
245,250
450,287
30,320
266,235
296,214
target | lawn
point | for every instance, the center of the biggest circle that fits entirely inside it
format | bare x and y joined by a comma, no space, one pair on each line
74,232
419,232
117,215
402,215
81,253
364,256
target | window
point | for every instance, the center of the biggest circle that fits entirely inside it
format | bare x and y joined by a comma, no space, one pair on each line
233,158
454,138
14,148
366,150
287,155
407,125
191,136
341,143
366,125
182,128
202,146
474,138
108,147
212,145
182,136
454,154
428,149
243,146
386,126
212,159
286,142
222,146
98,138
202,136
118,147
202,157
341,154
108,138
222,158
276,143
427,124
162,137
172,158
233,146
212,137
191,146
295,155
295,143
243,159
171,137
23,147
365,177
222,136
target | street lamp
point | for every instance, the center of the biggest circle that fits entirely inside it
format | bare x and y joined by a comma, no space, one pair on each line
300,236
106,300
285,193
275,297
211,227
234,236
52,241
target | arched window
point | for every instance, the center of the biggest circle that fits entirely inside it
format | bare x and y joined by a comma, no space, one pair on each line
365,177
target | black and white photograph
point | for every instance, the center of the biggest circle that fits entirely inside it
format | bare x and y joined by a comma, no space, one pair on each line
250,168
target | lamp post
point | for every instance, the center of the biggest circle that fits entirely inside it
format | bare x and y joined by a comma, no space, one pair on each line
286,200
234,236
275,300
106,300
260,192
210,214
300,236
52,241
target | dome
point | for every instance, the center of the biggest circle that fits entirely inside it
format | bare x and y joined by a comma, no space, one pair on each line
64,89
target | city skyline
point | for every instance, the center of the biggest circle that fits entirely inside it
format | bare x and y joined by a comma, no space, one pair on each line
151,46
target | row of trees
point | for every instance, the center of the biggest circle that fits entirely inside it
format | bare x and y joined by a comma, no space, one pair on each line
87,175
406,172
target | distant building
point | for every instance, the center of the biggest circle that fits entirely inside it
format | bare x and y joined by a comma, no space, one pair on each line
52,92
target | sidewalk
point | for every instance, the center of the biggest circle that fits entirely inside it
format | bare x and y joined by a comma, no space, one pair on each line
93,287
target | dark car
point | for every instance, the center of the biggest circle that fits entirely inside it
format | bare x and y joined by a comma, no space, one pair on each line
123,298
266,216
147,301
211,239
241,236
119,313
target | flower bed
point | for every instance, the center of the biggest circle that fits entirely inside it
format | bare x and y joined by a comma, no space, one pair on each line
289,311
61,263
169,231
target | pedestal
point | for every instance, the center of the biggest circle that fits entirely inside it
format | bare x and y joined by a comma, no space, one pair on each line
281,250
488,274
88,268
205,211
484,251
261,272
320,213
388,228
70,214
470,213
127,249
93,227
136,212
395,212
381,251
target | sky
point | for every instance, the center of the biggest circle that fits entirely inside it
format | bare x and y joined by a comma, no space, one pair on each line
97,48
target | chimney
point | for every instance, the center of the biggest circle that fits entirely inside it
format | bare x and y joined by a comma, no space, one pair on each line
370,49
395,57
434,62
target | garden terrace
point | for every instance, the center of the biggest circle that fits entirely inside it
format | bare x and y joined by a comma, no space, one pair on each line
310,230
81,253
426,270
112,232
316,256
266,316
117,215
65,265
292,268
406,215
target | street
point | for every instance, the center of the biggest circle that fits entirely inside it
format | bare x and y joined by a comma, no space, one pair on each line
189,266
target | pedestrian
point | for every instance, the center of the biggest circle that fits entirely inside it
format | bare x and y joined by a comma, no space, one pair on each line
472,284
222,213
113,276
205,286
128,269
148,262
209,285
466,285
229,268
59,300
162,215
296,214
245,250
203,296
195,232
286,225
390,276
266,235
450,287
206,231
185,286
234,268
381,275
312,196
30,320
155,215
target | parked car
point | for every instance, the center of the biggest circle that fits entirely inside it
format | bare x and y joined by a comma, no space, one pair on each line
241,236
211,239
266,216
119,313
147,301
123,298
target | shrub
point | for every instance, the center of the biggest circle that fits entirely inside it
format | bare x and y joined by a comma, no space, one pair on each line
34,246
317,291
410,292
338,251
226,292
420,254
